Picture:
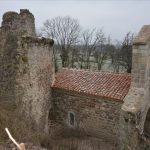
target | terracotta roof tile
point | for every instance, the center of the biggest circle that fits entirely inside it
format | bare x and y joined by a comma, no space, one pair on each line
104,84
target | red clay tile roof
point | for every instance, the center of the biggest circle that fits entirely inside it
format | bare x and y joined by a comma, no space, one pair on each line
104,84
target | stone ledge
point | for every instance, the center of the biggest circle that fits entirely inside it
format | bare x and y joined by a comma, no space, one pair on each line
133,100
44,41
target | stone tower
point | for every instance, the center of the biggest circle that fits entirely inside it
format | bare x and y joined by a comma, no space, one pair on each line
26,68
22,24
133,123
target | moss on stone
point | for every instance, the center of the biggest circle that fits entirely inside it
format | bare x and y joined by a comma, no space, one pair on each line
24,58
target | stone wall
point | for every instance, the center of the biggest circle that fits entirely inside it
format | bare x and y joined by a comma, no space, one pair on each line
94,116
34,77
137,103
26,69
10,34
8,63
20,24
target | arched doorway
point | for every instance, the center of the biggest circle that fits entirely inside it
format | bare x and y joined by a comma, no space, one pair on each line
147,125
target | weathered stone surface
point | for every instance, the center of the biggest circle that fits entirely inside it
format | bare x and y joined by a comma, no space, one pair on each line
94,116
26,69
137,103
143,36
34,78
22,24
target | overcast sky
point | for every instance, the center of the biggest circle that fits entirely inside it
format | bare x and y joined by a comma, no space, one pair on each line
117,17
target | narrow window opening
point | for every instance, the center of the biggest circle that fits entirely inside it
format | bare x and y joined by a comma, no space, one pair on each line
147,125
71,119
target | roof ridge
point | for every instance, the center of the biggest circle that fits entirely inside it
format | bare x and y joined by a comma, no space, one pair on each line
94,71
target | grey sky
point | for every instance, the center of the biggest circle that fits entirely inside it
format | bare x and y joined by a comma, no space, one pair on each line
117,17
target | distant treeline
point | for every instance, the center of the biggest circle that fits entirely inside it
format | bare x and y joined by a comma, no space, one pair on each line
86,49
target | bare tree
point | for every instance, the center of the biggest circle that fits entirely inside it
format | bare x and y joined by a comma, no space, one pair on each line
100,54
114,54
125,58
65,31
89,42
92,41
122,54
111,49
74,56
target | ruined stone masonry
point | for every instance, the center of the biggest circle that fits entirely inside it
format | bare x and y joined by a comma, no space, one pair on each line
26,67
134,119
107,106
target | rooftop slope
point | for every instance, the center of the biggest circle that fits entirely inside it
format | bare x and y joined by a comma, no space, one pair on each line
104,84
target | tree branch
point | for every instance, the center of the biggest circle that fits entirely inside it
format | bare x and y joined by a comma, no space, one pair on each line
20,146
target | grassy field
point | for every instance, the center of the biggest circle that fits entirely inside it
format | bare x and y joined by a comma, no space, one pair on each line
107,66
